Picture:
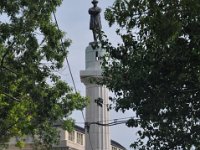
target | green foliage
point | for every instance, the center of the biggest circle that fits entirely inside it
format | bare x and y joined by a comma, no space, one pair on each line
20,144
155,70
30,52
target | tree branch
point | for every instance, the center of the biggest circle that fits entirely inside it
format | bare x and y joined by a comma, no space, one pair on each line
5,54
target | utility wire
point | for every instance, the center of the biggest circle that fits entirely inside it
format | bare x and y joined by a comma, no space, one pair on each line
116,119
71,73
112,122
69,67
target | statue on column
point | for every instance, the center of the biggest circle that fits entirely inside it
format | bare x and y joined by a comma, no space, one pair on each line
95,20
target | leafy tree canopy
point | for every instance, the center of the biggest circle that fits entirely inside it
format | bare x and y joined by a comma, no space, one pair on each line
155,70
30,52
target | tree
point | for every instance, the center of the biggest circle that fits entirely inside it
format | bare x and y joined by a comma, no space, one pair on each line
32,96
155,70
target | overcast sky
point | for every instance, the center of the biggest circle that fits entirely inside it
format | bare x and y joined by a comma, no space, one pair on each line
73,18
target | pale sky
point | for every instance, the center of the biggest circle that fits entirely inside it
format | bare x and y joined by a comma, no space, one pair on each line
73,18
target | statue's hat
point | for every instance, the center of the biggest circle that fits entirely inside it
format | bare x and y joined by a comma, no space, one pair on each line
94,1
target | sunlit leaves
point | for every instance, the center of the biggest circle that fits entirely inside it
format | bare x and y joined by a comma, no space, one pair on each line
31,50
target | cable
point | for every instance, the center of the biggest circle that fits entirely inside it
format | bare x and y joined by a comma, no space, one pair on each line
70,72
112,122
66,57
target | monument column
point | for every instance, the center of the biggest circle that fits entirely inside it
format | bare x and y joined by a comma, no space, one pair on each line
97,136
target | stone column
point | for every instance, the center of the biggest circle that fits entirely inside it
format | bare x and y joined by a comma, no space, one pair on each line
97,136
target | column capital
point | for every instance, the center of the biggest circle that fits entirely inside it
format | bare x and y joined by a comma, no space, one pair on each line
87,76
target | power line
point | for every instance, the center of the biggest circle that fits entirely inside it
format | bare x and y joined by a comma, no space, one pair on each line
70,72
116,119
69,67
112,122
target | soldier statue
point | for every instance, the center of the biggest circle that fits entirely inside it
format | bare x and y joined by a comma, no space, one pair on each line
95,20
